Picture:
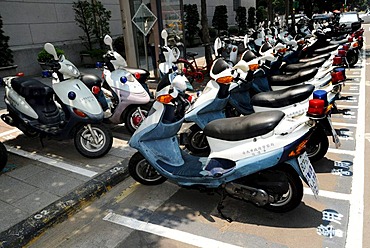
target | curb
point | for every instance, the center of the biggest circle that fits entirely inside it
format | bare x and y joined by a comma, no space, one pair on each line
25,231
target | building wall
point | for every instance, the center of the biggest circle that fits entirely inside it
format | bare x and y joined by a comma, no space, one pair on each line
211,5
32,23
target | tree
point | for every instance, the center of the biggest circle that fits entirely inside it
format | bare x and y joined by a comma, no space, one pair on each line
251,17
93,18
191,19
6,55
241,18
261,14
205,34
219,20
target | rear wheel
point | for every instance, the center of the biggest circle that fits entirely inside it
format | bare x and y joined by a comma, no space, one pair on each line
140,170
352,58
318,145
290,199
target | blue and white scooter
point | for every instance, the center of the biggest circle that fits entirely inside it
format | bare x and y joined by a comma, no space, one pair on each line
258,158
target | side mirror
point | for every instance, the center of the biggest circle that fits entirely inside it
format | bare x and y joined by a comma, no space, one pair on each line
164,36
50,49
108,41
217,45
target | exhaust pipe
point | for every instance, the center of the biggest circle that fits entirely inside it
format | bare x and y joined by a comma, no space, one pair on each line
7,119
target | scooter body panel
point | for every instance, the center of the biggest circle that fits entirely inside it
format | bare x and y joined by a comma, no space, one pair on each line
19,103
84,100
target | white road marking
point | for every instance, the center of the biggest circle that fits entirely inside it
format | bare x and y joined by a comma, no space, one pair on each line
51,162
340,151
14,130
356,211
329,194
336,124
346,106
166,232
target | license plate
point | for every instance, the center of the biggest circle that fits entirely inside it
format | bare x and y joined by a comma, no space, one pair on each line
335,135
308,173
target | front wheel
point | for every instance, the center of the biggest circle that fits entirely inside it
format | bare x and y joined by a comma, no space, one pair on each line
3,156
318,145
292,198
140,170
197,141
93,142
135,116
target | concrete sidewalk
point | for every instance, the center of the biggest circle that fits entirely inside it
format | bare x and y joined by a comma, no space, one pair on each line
35,195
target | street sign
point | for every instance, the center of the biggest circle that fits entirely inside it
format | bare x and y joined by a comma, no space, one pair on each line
144,19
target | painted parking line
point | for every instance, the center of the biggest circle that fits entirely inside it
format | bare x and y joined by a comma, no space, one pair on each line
9,132
340,151
356,212
52,162
329,194
166,232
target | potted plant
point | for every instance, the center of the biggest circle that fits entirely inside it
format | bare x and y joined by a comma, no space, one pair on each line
6,55
93,18
43,57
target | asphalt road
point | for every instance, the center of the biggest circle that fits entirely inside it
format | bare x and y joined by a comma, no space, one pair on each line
133,215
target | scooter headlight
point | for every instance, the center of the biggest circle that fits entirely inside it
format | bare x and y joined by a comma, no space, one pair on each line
72,69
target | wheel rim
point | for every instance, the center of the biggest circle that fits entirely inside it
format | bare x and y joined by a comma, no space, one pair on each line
313,149
198,141
136,118
284,199
87,140
147,172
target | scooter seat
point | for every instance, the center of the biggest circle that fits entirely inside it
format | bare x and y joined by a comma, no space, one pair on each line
293,79
320,56
284,97
338,42
30,88
245,127
91,80
326,49
191,54
299,66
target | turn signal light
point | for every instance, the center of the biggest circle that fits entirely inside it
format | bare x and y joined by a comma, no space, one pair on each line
225,80
166,99
253,67
123,79
234,49
316,108
79,113
355,44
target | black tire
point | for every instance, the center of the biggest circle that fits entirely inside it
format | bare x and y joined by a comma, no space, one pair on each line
133,118
86,145
197,141
352,58
318,144
292,198
3,156
140,170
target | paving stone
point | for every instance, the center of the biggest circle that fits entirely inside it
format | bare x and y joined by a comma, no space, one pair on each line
12,189
10,215
35,201
54,182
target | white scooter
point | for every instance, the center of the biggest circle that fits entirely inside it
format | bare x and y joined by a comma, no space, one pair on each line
127,98
67,110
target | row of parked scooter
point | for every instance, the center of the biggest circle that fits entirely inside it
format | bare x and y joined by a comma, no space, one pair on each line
278,117
256,126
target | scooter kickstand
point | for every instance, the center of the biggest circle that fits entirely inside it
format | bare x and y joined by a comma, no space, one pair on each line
220,206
